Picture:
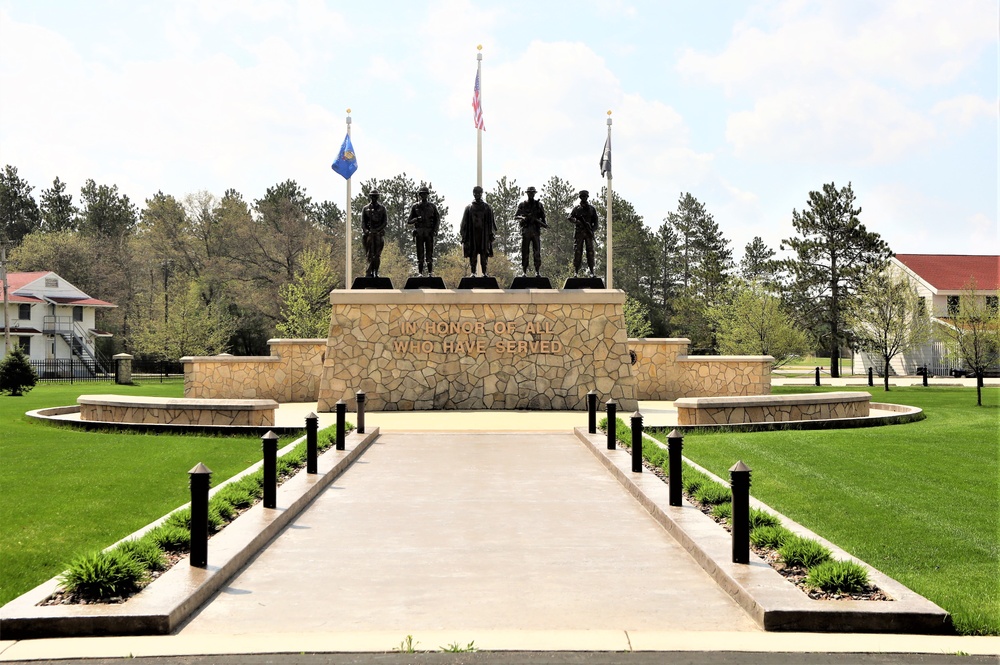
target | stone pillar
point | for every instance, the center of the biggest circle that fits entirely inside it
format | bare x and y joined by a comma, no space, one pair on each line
123,368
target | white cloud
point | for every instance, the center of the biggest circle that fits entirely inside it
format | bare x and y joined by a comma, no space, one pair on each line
965,110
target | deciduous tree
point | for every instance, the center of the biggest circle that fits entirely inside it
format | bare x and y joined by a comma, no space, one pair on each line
751,321
972,335
305,302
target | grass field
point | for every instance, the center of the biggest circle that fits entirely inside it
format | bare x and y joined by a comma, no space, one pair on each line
919,501
68,491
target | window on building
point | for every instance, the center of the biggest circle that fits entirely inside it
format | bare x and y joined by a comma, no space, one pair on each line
992,304
24,311
953,303
51,283
78,313
24,342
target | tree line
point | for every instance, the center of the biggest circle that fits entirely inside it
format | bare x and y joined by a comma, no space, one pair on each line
202,274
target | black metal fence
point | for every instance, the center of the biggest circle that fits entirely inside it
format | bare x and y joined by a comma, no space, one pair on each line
150,368
69,370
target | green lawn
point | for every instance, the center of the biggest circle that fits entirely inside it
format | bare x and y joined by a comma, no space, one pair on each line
919,501
67,491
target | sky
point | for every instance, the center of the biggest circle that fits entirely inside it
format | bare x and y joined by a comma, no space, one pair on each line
748,106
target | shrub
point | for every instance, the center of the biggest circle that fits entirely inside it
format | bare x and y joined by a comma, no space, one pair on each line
723,511
16,374
171,538
101,575
237,495
799,551
772,537
760,518
711,493
146,551
223,508
182,519
692,480
838,576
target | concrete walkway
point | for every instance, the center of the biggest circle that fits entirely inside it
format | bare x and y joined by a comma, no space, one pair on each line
473,532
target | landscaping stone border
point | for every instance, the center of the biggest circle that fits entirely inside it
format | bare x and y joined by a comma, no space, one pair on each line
772,601
170,599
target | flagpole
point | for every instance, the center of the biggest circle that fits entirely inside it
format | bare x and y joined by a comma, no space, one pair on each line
609,201
350,229
479,130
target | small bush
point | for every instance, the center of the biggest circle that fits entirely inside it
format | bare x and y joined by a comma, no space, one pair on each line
692,480
711,493
760,518
772,537
799,551
101,575
723,511
17,376
146,551
171,538
236,495
655,455
838,576
223,507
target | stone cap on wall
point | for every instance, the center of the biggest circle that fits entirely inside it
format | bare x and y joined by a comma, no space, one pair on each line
226,358
178,402
771,400
727,359
658,340
296,340
474,296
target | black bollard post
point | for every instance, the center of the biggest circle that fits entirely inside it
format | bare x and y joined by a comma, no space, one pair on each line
341,423
361,412
817,376
312,428
200,476
925,373
592,412
612,424
739,479
269,442
871,376
636,442
675,444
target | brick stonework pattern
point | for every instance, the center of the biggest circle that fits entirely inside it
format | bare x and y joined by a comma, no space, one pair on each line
290,374
167,411
772,409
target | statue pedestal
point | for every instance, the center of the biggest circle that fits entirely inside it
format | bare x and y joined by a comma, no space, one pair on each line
371,283
525,282
485,349
584,283
478,283
424,283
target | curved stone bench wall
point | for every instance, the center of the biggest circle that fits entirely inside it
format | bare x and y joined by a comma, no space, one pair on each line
771,408
177,411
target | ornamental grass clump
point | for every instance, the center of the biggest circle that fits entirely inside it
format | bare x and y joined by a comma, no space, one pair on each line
146,551
710,493
769,537
723,511
838,577
171,538
103,575
692,480
761,518
799,551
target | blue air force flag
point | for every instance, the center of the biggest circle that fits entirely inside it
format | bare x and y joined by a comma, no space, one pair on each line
346,163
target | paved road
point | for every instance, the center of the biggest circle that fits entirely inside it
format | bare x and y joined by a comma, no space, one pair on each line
470,532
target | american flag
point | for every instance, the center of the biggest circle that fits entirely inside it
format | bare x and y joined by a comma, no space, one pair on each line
477,108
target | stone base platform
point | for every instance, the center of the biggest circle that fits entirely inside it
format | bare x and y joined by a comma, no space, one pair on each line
472,350
177,411
771,408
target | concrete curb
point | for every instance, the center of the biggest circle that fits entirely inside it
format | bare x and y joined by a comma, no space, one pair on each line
770,600
170,599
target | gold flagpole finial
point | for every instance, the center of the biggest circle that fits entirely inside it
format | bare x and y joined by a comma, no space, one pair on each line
479,47
349,110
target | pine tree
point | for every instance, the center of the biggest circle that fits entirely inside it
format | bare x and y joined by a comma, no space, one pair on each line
19,213
58,211
17,376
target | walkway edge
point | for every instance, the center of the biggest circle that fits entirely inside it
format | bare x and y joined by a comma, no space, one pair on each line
772,601
170,599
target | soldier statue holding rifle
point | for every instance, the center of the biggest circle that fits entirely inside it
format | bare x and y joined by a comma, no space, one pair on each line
584,216
425,220
530,217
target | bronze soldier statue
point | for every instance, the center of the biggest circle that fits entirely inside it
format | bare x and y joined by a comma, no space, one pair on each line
478,231
531,218
373,221
584,216
425,219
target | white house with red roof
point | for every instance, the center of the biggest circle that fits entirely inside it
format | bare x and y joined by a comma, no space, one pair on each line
941,280
52,320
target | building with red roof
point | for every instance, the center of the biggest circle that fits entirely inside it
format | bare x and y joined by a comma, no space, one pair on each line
941,280
55,322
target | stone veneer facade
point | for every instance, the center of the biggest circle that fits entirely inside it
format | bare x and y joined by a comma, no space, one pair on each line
479,349
291,373
664,371
771,409
172,411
